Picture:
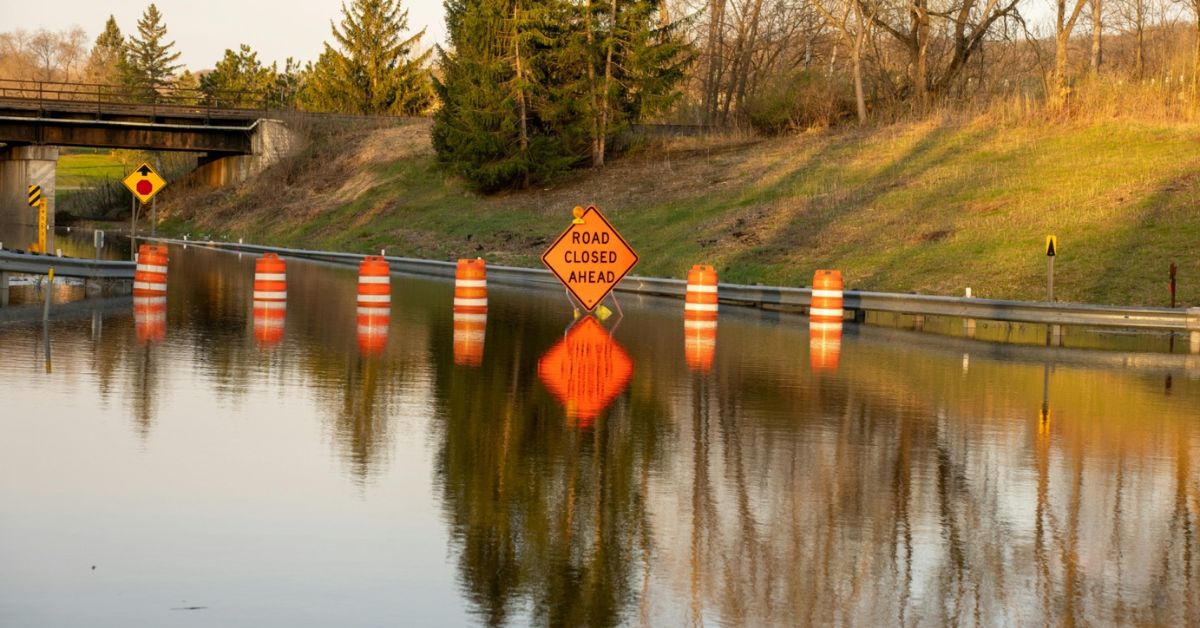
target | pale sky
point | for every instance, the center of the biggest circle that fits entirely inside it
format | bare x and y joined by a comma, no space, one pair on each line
203,29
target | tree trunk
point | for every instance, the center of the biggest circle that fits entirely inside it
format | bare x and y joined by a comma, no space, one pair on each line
1097,33
1196,55
1139,58
711,88
1059,86
521,111
606,103
594,113
860,35
748,55
920,53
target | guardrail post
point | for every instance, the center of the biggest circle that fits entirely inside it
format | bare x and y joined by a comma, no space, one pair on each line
3,289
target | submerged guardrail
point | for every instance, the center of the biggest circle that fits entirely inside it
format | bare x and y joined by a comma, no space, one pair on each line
29,263
1064,314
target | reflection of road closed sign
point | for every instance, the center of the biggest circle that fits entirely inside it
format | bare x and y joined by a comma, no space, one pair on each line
586,370
590,258
144,182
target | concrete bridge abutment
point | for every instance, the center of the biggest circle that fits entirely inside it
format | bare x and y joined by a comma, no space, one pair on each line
20,167
272,141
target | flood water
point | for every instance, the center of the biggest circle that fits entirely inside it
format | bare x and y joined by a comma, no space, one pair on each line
209,469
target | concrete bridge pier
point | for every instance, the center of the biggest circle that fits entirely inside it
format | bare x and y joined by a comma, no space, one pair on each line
20,167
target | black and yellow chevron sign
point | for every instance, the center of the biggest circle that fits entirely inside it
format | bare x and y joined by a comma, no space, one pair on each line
35,195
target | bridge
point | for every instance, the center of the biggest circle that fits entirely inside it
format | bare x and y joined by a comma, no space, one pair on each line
235,133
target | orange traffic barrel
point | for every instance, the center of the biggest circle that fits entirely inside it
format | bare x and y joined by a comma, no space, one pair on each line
826,296
700,302
270,278
824,345
699,344
150,318
268,321
470,286
150,276
469,331
374,283
373,325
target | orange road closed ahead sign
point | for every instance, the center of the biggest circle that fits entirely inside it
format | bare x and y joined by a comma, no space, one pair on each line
590,258
144,182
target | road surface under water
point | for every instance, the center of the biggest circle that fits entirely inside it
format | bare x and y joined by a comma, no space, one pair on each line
208,468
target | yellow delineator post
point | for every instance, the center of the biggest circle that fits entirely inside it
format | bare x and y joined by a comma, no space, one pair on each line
37,200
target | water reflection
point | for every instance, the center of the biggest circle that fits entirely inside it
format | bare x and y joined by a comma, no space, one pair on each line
586,370
741,487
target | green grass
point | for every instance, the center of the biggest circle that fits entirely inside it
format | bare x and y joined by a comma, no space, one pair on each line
78,169
931,207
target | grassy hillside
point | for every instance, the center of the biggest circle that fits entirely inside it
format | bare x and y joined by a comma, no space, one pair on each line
931,207
80,167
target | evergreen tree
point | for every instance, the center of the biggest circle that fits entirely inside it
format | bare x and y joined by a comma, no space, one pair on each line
374,69
531,87
493,126
108,55
151,64
239,80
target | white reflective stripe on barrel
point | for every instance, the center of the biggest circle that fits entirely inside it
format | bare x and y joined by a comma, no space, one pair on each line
825,326
268,323
374,298
820,311
373,310
470,283
269,305
374,279
701,307
468,335
695,288
699,324
148,268
460,302
270,276
829,294
149,301
372,330
264,295
146,285
461,317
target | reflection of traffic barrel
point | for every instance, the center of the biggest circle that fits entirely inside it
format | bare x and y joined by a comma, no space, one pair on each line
374,304
270,278
150,318
699,344
824,344
150,277
470,286
268,321
826,296
373,329
469,331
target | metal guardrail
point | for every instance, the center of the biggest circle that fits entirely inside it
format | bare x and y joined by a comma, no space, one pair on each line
1067,314
13,262
100,97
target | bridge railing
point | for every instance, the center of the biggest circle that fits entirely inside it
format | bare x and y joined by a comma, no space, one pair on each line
104,98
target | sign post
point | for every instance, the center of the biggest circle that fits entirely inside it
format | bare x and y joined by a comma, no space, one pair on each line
1051,251
590,258
145,183
37,200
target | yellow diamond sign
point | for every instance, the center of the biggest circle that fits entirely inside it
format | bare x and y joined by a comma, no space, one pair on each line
144,182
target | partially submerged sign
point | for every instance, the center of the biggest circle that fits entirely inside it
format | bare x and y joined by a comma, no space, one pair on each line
590,258
144,182
586,370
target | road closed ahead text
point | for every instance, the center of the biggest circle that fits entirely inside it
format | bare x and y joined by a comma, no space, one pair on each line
590,258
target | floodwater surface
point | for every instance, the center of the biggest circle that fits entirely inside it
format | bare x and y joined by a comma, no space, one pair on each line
211,463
